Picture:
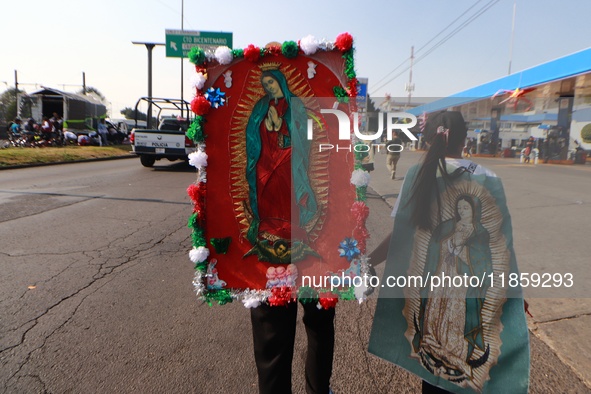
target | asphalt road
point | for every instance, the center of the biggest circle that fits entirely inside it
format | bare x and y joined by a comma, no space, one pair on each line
96,294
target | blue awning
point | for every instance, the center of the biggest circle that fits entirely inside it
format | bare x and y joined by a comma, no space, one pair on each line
520,118
561,68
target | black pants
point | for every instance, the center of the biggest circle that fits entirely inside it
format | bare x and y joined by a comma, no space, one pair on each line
273,331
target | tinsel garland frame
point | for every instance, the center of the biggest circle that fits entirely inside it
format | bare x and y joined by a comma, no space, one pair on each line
324,298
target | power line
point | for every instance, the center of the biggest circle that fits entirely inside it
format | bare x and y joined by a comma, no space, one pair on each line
457,30
478,13
449,25
481,11
431,40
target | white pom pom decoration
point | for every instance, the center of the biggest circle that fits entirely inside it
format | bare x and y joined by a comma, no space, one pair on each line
224,55
198,159
251,302
360,292
360,178
309,45
198,80
198,255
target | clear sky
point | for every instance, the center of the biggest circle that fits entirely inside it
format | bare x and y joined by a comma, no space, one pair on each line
51,43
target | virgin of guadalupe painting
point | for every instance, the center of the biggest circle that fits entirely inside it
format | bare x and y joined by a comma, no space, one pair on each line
466,336
279,186
281,204
448,327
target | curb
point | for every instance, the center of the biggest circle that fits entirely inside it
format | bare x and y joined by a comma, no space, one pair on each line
131,155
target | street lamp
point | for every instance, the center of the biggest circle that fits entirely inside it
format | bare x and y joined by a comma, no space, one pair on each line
149,47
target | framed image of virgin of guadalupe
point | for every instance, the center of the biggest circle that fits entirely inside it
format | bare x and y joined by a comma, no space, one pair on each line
273,199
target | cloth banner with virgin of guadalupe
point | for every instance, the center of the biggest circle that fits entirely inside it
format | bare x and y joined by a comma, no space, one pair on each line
272,201
453,320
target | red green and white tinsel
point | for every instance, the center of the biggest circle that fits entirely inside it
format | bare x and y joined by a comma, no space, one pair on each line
206,101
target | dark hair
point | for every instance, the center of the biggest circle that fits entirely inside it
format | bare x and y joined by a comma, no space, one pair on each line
469,200
450,143
268,73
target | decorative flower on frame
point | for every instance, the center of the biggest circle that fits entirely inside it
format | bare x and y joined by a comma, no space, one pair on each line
280,296
254,298
193,192
198,159
251,301
290,49
360,211
216,97
196,56
252,53
273,49
223,55
360,292
309,45
327,300
197,193
198,255
348,249
200,105
344,42
198,80
238,53
360,178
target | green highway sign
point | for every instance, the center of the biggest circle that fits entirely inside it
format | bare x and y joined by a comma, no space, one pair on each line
180,42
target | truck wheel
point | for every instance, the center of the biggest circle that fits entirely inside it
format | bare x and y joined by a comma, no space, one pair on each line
147,161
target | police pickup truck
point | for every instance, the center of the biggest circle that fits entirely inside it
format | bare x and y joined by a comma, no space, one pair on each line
169,140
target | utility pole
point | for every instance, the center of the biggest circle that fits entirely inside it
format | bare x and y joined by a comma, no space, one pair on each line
410,86
83,82
512,36
18,100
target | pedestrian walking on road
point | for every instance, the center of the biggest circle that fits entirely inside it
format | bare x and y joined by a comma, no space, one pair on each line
368,157
393,149
468,148
103,132
451,221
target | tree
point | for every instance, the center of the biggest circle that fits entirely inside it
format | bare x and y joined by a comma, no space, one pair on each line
370,105
130,114
93,92
586,133
373,115
8,106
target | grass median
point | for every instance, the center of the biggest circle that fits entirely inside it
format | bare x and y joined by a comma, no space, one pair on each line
23,156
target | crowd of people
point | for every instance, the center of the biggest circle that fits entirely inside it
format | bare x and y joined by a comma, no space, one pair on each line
51,132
